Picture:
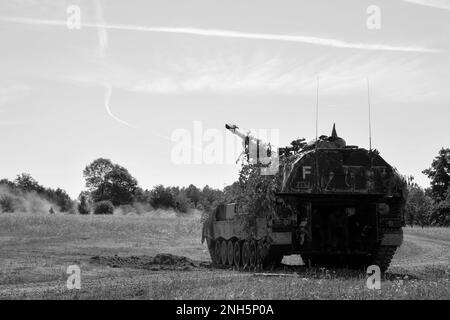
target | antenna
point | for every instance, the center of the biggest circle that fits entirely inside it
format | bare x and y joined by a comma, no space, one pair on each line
370,121
317,142
317,109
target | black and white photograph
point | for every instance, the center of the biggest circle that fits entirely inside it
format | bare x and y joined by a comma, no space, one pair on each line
225,156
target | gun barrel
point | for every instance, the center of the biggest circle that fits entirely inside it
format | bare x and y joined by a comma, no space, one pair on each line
253,142
235,130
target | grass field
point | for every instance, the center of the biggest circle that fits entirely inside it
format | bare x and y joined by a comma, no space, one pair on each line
35,252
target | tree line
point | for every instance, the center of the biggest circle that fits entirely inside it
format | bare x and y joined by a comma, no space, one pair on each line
110,186
431,206
22,195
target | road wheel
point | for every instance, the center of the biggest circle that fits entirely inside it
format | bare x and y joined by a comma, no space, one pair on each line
230,252
252,253
245,254
223,252
237,254
217,252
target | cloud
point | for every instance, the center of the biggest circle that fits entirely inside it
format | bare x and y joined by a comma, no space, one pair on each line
395,77
330,42
439,4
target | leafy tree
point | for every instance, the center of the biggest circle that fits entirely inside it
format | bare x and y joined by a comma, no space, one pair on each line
95,175
122,186
103,207
108,181
418,206
26,182
161,197
210,198
60,198
439,173
441,212
194,194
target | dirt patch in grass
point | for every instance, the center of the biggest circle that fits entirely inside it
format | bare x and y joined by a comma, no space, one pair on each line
163,261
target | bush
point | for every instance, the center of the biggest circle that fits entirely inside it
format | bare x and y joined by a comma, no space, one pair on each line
83,206
6,203
104,207
182,203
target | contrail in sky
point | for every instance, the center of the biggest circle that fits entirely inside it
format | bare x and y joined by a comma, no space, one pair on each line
102,33
101,30
108,92
439,4
102,45
330,42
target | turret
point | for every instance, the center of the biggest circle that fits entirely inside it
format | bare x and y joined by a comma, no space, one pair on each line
330,142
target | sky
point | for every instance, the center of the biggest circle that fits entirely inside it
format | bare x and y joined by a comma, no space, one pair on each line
137,75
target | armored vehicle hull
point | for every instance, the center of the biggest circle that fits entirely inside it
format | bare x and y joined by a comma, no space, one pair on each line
336,205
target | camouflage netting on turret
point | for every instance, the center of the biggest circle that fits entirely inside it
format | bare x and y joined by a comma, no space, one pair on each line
255,193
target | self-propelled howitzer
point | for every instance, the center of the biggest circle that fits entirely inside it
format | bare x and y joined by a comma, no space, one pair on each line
336,205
